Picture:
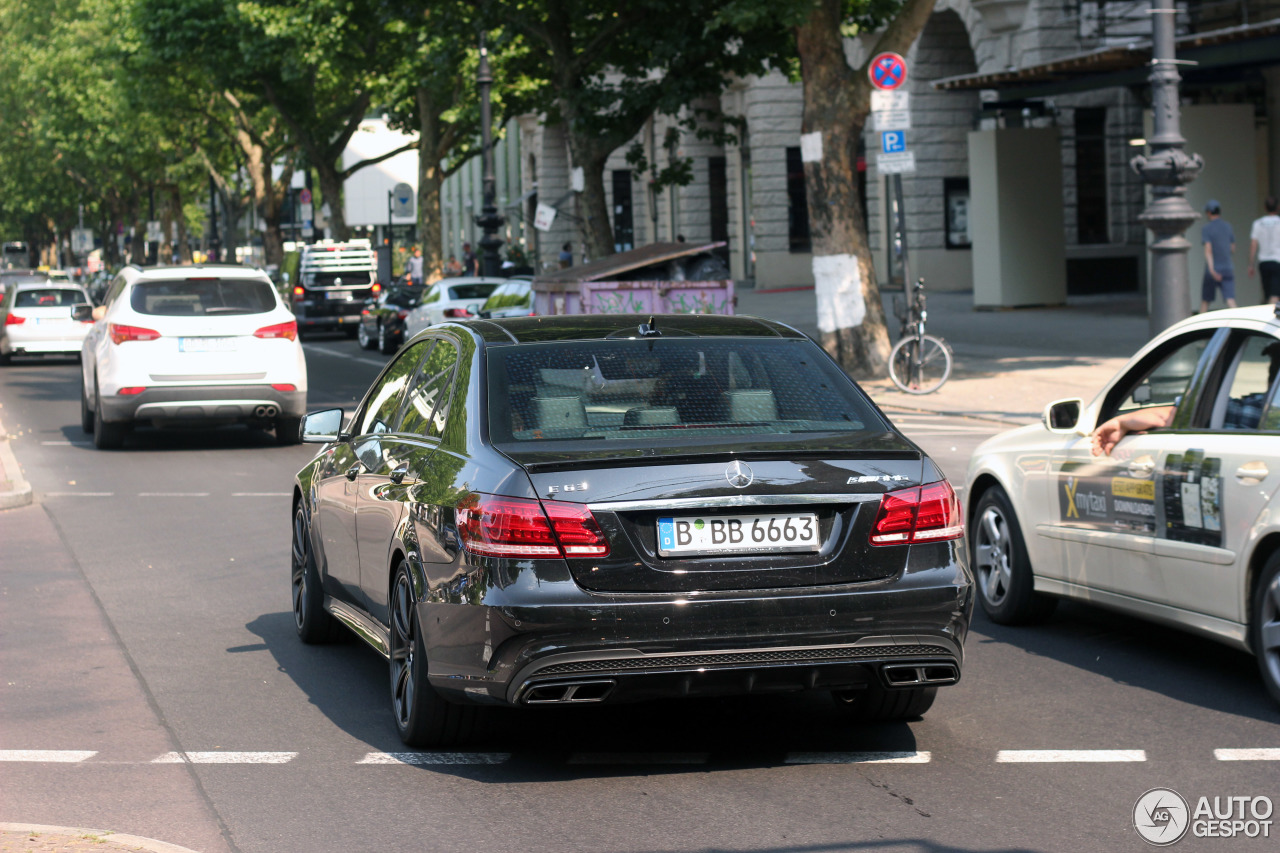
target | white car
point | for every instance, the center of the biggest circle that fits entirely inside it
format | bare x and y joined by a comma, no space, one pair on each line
38,318
1179,525
198,345
450,299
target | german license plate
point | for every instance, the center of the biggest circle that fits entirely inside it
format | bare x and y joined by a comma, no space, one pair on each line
338,294
737,534
206,344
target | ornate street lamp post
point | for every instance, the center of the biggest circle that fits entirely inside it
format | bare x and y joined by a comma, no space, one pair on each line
488,219
1168,169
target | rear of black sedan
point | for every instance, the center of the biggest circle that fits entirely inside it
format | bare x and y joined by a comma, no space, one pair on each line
617,508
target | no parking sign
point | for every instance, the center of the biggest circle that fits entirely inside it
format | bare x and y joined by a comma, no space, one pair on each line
888,71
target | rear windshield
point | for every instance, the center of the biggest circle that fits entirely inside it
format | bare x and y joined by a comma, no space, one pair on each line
471,291
201,297
50,298
645,392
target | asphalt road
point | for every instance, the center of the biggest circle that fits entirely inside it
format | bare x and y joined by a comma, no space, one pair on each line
153,685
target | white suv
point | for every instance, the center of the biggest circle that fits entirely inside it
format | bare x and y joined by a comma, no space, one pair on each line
203,345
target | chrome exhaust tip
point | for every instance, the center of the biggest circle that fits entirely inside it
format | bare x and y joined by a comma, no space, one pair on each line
270,411
568,692
916,674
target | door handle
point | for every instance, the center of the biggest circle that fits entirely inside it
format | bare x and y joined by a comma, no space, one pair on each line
1254,471
1142,466
399,472
353,471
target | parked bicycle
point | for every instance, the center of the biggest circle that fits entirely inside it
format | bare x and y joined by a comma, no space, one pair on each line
919,363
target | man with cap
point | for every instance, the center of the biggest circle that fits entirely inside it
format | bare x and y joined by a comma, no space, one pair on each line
1219,245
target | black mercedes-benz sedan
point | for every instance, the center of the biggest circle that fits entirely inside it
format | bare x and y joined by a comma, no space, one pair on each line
608,508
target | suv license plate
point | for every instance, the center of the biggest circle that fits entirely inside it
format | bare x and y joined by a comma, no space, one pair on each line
338,294
737,534
206,344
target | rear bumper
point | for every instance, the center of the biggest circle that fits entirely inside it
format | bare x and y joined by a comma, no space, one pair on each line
553,642
20,343
328,315
204,403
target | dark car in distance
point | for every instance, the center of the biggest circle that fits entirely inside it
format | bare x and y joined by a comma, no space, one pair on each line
610,508
382,323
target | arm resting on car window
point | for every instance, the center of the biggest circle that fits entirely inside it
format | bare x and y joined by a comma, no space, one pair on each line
1109,433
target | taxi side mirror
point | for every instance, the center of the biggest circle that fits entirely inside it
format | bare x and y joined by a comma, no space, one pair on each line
1062,416
82,312
322,427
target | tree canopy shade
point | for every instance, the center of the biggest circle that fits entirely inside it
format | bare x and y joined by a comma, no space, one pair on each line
606,68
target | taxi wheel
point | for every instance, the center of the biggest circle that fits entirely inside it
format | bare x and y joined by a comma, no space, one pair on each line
1006,588
423,717
876,704
1264,626
312,621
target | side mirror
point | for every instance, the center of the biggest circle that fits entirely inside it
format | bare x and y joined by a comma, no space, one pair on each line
82,312
1062,415
322,427
1142,394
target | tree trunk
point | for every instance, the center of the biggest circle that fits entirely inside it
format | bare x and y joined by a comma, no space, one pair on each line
596,225
429,182
184,245
331,194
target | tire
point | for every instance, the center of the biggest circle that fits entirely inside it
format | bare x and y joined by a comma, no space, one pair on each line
287,431
6,359
362,336
877,704
350,332
934,356
106,436
314,624
1264,625
422,717
386,343
1006,584
86,414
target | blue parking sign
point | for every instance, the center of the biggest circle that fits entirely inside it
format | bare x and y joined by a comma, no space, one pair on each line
893,141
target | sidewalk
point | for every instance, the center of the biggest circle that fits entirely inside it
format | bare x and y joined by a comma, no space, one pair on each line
1008,364
14,490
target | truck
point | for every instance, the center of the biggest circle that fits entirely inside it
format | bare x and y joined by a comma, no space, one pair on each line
329,282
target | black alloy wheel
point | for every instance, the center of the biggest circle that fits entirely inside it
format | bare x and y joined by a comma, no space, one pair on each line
106,436
386,343
1006,584
877,704
314,623
363,337
1264,625
422,717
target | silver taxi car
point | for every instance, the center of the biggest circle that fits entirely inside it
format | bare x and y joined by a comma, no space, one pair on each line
1179,525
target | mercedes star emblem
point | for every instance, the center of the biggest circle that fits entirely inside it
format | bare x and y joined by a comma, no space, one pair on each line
739,474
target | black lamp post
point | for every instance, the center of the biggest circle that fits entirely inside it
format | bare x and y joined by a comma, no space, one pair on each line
489,219
215,244
1168,169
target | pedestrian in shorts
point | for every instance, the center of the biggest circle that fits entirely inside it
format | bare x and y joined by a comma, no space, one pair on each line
1264,250
1219,245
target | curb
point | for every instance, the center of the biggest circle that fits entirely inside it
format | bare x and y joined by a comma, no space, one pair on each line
101,839
19,491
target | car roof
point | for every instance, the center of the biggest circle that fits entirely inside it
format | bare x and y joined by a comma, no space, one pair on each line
595,327
169,273
47,285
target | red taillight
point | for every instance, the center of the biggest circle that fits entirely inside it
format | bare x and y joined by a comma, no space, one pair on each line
518,527
288,329
461,313
120,333
920,514
403,315
299,294
131,391
377,288
14,320
284,386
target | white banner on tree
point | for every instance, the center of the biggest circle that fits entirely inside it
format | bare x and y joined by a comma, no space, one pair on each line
837,284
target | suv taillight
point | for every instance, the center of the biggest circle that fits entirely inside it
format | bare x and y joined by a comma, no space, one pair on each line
120,333
14,320
920,514
519,527
279,330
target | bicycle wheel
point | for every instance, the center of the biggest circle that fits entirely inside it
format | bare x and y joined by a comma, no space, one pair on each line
920,365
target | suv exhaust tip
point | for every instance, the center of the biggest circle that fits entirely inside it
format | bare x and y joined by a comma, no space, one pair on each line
568,692
915,674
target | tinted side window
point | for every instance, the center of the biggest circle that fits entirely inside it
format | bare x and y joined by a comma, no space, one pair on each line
427,407
384,401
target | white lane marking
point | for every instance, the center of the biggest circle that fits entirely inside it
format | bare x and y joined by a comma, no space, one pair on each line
435,758
260,494
1056,756
66,444
79,494
226,758
910,757
59,756
173,494
362,360
638,758
1247,754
